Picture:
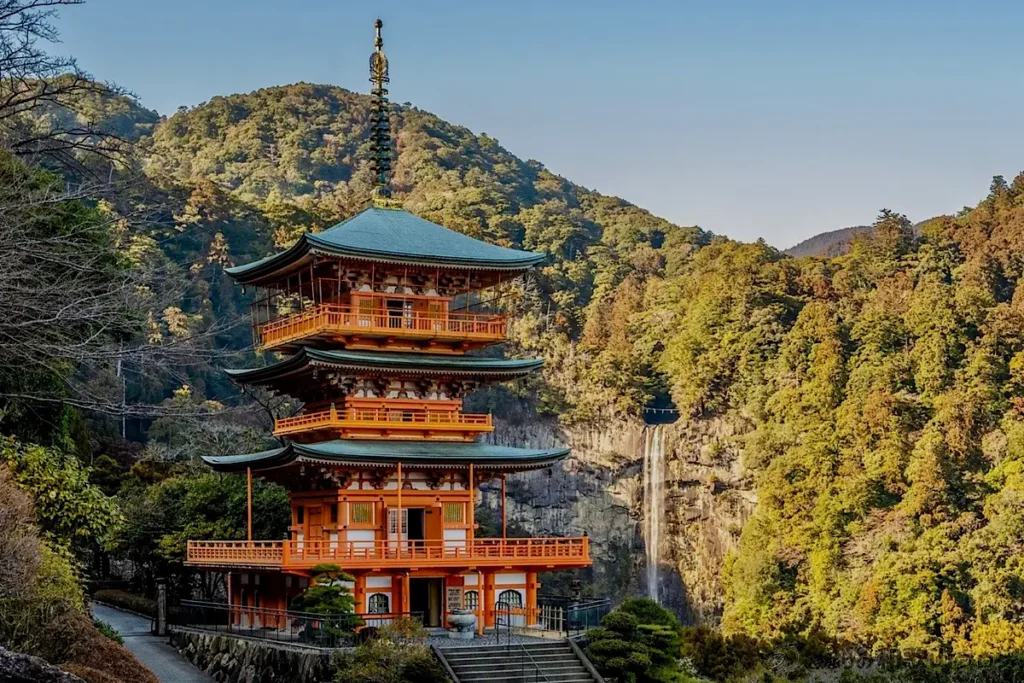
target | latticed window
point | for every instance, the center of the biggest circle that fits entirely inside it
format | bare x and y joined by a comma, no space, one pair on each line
472,600
362,513
453,512
393,522
379,603
510,599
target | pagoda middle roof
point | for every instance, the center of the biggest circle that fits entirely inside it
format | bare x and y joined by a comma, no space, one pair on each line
391,236
388,453
388,363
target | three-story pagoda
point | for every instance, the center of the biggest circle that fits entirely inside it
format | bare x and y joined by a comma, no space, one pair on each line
383,465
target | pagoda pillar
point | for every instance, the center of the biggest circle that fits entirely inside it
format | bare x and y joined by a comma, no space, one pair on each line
231,604
396,593
248,495
360,594
531,598
479,604
487,598
471,513
398,515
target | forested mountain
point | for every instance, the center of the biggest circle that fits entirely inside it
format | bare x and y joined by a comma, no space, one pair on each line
258,169
827,244
879,396
839,242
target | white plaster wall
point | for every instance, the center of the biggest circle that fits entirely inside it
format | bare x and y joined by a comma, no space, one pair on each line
361,538
506,578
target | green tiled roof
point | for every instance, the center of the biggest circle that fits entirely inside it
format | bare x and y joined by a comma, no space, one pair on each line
390,363
394,236
386,453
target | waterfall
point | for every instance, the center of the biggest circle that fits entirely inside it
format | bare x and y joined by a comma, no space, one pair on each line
654,502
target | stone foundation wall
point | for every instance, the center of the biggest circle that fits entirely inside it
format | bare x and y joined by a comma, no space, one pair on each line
228,659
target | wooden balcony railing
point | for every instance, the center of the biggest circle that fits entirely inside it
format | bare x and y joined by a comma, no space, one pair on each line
342,321
384,419
574,552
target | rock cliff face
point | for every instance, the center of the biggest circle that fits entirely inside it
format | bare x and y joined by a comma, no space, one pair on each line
598,491
20,668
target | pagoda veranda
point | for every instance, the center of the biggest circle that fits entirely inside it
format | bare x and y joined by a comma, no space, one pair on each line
371,330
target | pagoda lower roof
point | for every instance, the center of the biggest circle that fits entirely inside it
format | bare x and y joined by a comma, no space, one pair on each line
388,235
385,363
426,454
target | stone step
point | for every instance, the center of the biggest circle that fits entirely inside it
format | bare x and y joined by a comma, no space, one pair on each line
557,646
497,659
556,661
500,657
515,666
508,677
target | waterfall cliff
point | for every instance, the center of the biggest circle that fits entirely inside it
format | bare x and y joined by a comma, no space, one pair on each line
600,490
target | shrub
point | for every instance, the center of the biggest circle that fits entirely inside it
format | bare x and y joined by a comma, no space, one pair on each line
108,630
19,540
35,627
627,650
648,611
718,657
131,602
58,577
329,594
383,661
404,630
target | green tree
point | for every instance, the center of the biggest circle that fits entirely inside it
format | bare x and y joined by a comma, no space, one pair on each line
71,510
162,517
638,642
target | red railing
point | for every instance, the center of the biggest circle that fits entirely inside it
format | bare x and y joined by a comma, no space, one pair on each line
383,418
353,554
346,320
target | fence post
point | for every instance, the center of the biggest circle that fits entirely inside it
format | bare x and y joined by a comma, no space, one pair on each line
161,609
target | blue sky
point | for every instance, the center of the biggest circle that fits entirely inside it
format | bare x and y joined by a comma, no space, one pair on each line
752,118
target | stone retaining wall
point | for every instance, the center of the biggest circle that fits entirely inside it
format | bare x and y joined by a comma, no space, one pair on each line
230,659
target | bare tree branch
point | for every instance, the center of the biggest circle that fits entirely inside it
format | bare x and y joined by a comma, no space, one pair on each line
36,85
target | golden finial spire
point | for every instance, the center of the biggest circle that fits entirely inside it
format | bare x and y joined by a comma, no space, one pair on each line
380,118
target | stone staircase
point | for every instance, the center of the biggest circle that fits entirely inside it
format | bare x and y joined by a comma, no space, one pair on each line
551,662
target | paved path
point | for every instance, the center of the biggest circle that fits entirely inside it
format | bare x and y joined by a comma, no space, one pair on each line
155,653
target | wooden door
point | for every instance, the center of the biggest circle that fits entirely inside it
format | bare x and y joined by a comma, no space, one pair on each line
315,528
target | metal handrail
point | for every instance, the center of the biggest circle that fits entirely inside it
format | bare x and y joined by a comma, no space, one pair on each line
508,609
536,666
268,623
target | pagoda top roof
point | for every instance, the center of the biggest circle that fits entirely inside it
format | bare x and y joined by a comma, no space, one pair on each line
387,363
389,453
390,236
